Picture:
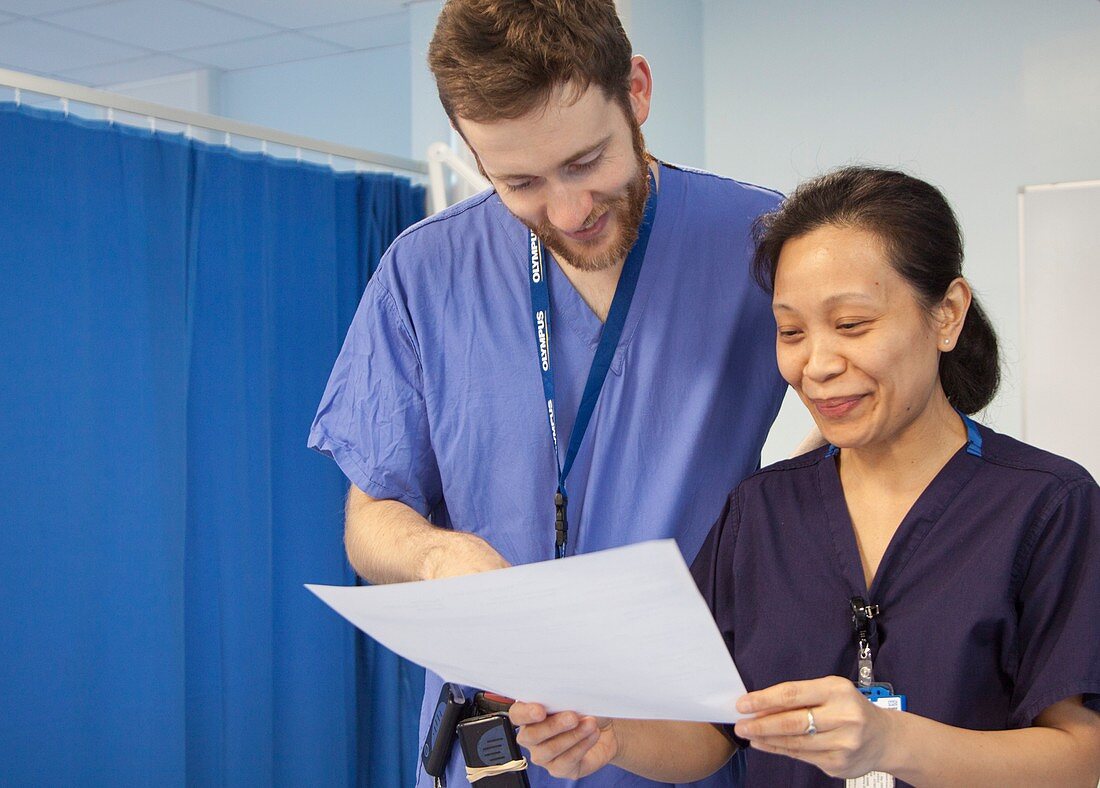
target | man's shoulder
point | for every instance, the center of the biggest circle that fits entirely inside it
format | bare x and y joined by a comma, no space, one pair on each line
721,192
472,213
436,246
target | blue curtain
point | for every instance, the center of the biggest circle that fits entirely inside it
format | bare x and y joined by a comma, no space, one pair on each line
169,313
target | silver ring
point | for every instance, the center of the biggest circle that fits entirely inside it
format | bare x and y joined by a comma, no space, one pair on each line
811,729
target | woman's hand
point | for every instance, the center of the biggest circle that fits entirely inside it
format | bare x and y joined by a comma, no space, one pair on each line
566,744
852,734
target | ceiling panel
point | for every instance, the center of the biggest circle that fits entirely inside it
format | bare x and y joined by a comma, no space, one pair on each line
33,46
162,25
378,31
296,13
149,67
100,42
39,7
279,48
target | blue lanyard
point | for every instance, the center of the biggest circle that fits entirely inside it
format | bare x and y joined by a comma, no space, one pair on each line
605,352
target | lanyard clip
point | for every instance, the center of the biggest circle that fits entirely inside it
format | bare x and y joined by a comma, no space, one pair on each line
561,524
863,616
864,628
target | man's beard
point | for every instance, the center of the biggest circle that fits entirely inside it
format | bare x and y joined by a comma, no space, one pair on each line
628,207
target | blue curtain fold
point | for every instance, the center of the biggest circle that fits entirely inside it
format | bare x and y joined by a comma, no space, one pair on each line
169,313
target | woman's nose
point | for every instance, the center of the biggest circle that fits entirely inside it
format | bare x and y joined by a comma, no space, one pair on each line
823,361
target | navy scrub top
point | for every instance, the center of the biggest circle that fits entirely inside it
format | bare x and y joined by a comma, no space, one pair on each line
989,590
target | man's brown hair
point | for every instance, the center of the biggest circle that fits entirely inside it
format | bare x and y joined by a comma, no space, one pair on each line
500,59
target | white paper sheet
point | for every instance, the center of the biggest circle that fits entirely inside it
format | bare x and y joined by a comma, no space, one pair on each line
618,633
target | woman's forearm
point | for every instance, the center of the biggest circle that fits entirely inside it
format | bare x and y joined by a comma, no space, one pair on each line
1062,748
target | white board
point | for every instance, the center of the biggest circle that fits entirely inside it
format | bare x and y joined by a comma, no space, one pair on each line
1060,319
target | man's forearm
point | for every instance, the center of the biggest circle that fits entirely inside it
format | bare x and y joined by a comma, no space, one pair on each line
670,751
389,542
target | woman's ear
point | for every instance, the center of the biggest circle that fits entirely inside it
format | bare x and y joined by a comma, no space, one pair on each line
951,312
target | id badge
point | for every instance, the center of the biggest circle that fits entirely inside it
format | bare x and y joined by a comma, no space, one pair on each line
882,695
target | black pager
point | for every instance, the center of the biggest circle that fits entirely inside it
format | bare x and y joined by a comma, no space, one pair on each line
449,709
490,740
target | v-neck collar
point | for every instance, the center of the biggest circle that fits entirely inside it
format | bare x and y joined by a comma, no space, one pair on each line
568,305
914,527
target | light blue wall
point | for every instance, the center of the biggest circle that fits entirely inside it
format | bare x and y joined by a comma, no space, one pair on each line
670,35
979,97
360,98
428,121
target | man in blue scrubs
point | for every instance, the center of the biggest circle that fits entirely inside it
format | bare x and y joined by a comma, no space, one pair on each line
573,361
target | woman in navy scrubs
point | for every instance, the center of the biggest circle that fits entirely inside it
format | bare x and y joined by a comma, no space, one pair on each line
919,560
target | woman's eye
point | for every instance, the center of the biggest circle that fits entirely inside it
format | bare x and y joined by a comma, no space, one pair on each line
789,333
850,325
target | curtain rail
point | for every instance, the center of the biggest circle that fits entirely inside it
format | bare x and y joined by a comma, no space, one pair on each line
66,91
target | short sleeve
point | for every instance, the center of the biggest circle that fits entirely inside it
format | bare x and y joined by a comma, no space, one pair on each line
372,419
717,551
712,570
1058,637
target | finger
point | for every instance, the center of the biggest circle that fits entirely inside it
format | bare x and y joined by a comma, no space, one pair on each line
550,750
790,722
582,758
788,695
799,746
547,740
521,713
535,733
781,746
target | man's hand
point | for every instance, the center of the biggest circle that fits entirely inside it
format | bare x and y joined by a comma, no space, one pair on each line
566,744
461,553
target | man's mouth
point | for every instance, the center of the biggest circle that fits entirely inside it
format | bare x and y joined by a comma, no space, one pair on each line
591,231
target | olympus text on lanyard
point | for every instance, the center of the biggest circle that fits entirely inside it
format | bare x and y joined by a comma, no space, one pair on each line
605,352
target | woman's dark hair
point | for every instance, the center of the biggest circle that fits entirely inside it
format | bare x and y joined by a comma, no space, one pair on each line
924,244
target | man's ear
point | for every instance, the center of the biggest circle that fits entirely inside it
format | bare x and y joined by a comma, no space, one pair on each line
641,88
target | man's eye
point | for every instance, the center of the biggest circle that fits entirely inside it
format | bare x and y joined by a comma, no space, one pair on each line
517,187
789,333
584,166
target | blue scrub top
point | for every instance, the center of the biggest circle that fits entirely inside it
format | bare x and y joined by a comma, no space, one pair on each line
436,399
989,590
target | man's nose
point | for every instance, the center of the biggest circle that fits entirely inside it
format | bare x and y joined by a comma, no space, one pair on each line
569,207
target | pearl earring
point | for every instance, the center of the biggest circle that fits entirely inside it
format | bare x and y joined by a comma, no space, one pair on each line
947,342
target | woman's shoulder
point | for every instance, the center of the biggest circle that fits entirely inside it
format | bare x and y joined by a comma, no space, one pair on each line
1014,457
794,471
